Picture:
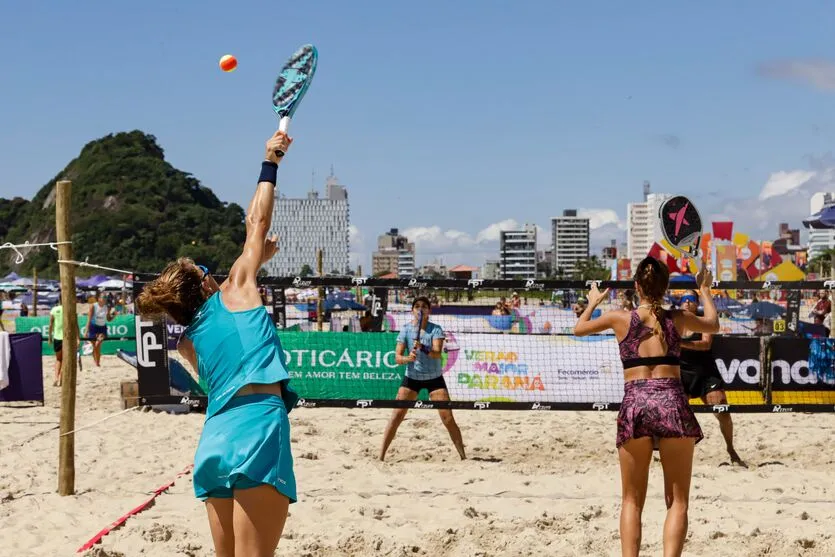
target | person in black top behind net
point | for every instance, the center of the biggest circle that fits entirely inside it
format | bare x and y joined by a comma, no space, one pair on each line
701,377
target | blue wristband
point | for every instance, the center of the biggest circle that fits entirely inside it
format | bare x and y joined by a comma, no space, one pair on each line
269,171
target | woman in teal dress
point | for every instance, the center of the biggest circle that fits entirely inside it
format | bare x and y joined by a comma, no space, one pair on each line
243,466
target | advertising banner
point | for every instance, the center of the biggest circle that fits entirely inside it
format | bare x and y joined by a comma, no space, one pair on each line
120,326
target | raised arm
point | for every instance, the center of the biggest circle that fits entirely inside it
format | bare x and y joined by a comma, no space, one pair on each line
259,216
709,322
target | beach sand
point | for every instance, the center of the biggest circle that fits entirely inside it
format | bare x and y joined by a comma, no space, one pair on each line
536,483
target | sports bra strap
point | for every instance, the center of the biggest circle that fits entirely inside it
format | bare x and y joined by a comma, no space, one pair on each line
669,360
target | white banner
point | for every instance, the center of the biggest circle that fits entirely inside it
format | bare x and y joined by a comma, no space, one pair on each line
526,368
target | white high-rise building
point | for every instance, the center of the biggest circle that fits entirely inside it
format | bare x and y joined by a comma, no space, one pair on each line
517,253
569,241
821,239
642,225
306,225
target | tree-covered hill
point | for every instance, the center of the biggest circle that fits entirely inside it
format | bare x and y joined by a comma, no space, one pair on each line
130,210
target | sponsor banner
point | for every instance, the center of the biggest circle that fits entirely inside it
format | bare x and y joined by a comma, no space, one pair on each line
799,364
738,362
478,367
120,326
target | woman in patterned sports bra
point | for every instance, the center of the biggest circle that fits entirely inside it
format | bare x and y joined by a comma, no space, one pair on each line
655,412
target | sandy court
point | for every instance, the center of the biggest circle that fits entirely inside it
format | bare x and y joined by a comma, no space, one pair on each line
536,483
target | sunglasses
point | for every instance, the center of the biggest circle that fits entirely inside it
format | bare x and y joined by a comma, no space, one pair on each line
205,271
685,299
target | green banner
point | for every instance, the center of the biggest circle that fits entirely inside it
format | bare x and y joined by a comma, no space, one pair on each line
343,365
120,326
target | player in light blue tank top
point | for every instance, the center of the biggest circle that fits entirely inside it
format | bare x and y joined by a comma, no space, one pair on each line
243,463
420,347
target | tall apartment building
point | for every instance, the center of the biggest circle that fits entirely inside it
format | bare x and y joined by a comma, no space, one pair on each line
306,225
642,225
517,253
395,254
821,239
569,241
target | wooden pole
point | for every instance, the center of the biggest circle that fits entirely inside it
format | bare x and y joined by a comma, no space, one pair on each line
320,308
35,292
66,443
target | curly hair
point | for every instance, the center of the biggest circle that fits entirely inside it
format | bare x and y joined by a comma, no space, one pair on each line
176,292
653,278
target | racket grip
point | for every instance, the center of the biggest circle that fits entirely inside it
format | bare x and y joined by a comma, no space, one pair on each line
283,126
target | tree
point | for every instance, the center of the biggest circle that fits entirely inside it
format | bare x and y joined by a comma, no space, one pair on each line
306,271
591,269
824,260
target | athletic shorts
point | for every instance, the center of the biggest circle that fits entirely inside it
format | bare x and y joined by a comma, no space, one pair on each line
57,345
96,330
245,445
656,408
417,385
698,385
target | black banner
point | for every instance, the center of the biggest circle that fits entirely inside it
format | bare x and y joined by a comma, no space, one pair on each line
792,369
152,357
377,304
792,311
738,362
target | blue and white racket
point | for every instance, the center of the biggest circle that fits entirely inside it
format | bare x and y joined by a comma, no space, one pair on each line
292,84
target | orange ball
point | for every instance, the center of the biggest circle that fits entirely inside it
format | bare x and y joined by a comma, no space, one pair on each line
228,63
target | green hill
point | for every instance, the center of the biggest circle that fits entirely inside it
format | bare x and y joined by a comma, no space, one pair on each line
130,210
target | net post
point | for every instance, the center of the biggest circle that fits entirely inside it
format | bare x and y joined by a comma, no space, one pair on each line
35,292
320,304
66,441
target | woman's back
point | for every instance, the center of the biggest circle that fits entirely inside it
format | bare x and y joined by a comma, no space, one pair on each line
646,355
235,349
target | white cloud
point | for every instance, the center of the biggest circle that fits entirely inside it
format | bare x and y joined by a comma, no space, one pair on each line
599,218
784,198
818,73
780,183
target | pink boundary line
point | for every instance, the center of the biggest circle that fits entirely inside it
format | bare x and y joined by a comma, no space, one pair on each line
121,520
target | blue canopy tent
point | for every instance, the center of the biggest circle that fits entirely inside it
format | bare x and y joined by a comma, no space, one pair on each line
763,310
825,218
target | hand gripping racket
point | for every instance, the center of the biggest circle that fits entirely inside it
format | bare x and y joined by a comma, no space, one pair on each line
418,344
291,85
681,226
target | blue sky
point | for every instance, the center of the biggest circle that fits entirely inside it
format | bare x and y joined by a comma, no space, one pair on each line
449,120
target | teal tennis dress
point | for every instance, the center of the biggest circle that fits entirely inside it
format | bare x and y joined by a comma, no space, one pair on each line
246,439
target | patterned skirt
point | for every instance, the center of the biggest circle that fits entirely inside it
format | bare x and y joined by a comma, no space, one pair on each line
656,408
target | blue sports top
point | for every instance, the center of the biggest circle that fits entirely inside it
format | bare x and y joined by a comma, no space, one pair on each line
424,367
237,348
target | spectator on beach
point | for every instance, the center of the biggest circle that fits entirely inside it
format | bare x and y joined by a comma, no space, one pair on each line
97,317
56,338
500,309
822,308
24,310
515,301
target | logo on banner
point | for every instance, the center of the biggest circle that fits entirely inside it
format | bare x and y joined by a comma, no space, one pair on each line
779,408
829,284
359,281
530,283
148,342
767,284
302,403
413,283
421,404
537,406
498,370
719,408
596,283
364,403
481,405
299,283
475,283
600,406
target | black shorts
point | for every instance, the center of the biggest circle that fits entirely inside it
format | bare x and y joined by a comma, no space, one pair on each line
417,385
57,345
698,384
